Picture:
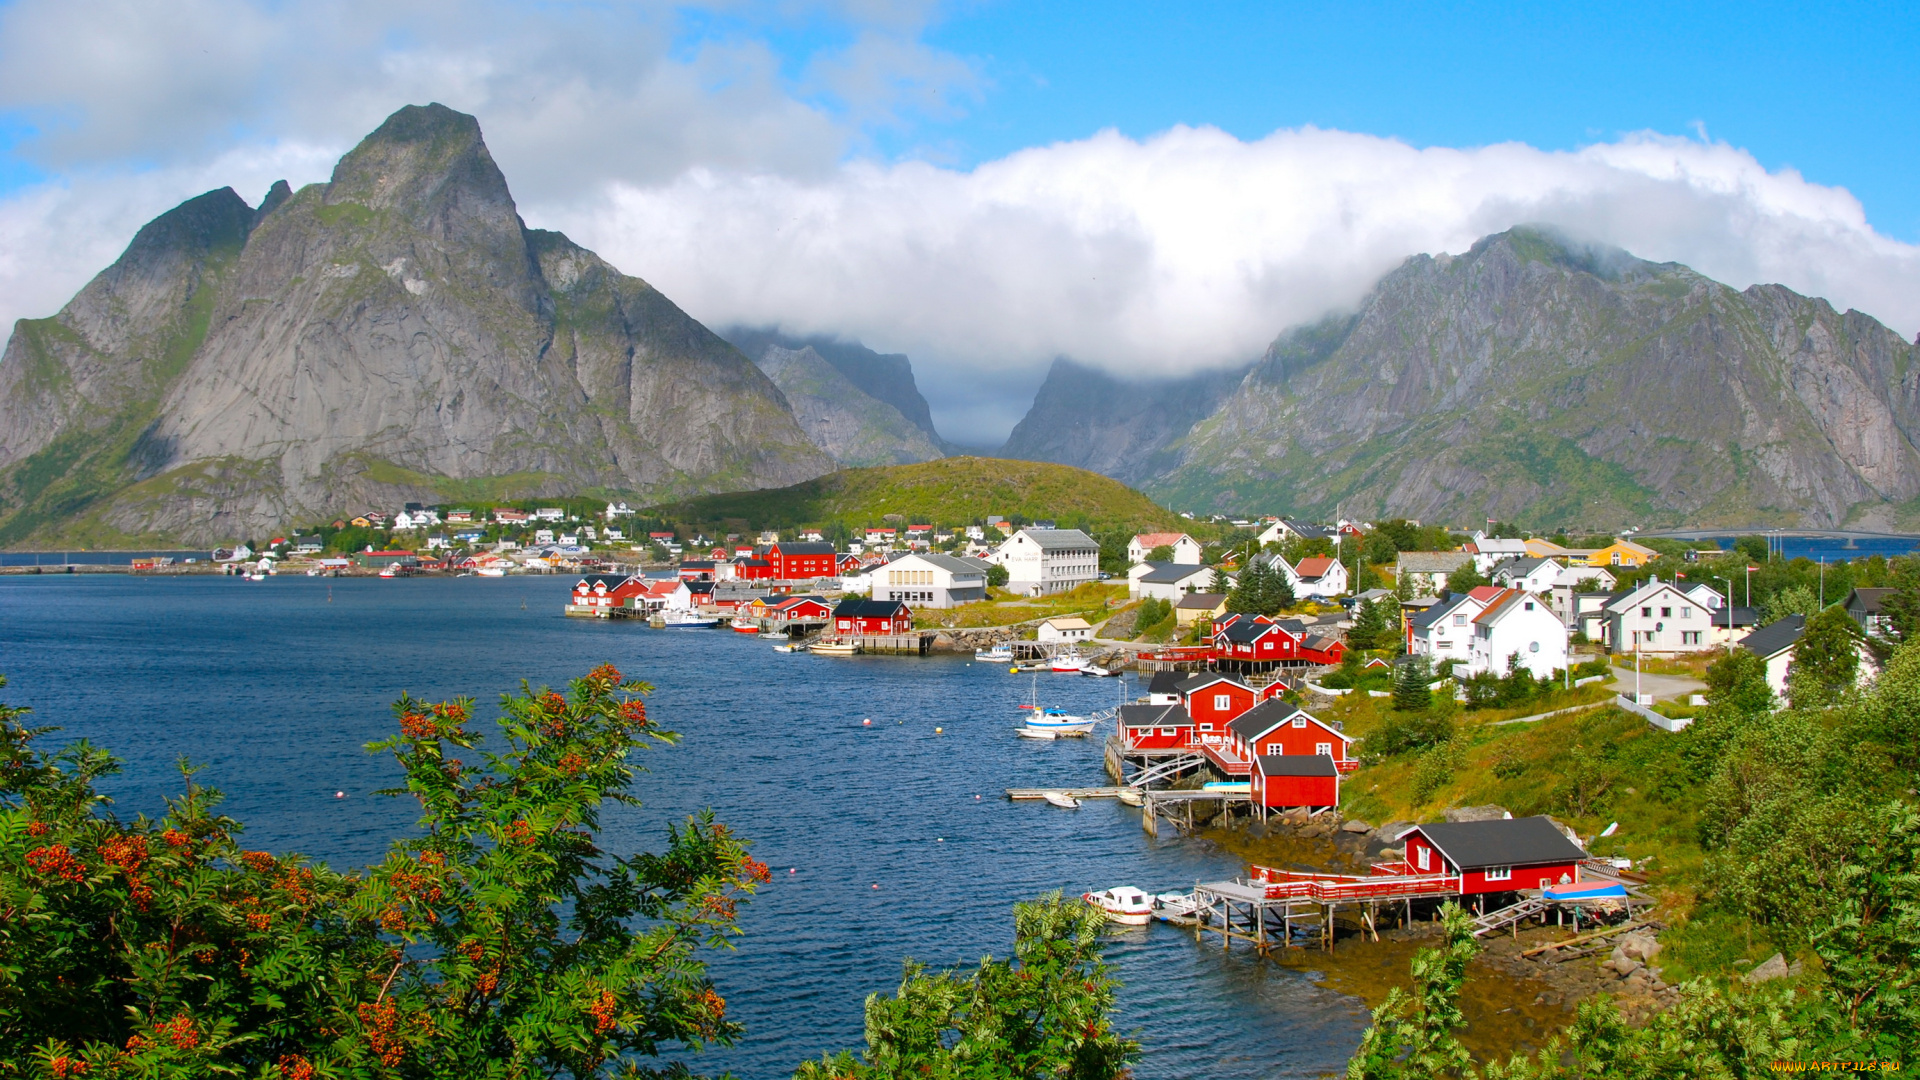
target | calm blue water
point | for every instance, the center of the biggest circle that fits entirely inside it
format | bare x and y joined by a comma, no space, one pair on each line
275,688
1832,549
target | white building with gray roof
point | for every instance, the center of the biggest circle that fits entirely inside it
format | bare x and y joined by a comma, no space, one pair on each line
926,580
1043,561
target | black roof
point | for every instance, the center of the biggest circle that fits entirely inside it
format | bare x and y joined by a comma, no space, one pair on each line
1298,765
1190,683
1262,718
699,586
1166,682
1174,715
1166,573
609,580
868,609
1476,845
1867,601
1775,637
696,564
806,549
1245,630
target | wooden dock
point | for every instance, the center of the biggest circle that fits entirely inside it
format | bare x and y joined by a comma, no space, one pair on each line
1071,793
1176,806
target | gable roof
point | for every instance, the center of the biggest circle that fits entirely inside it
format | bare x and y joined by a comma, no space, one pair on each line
803,549
1174,715
1776,637
1313,567
1059,539
1273,713
1172,573
1246,631
1523,566
1160,539
953,564
1296,765
1449,603
868,609
1201,601
1431,562
1205,679
1476,845
1865,601
1651,588
611,581
1069,622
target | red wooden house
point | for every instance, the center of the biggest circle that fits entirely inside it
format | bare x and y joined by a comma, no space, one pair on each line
1502,855
1156,727
846,563
800,561
1284,781
872,617
748,568
1254,642
1213,700
596,593
696,570
802,609
1275,727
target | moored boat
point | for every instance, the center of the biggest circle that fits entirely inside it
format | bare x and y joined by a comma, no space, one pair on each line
789,648
1057,721
836,648
1131,796
999,654
1172,905
1097,671
1062,800
743,625
1125,905
1036,733
688,620
1067,662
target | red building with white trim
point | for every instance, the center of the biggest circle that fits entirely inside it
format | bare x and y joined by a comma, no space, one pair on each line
1503,855
801,561
1287,781
1276,727
880,617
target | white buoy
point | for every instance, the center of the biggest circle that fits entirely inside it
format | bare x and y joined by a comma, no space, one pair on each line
791,870
866,723
938,731
339,794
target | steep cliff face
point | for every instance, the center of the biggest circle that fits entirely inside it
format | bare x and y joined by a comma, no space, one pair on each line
1128,430
885,377
1539,382
396,333
855,428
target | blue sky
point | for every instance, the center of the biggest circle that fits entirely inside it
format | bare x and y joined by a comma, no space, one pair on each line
986,186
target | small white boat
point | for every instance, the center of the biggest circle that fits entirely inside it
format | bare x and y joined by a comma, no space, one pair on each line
743,625
1131,796
1036,733
1068,663
255,576
1125,905
490,571
1058,721
999,654
789,648
1173,904
688,620
1064,802
837,648
1097,671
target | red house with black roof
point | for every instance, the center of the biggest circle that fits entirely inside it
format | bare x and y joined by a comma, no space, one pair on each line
1287,781
801,561
1276,727
1156,727
856,616
748,568
1503,855
1213,700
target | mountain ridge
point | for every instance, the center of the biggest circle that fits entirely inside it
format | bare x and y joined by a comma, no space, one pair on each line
392,333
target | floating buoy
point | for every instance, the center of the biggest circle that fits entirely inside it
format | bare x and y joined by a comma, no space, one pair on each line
866,723
339,794
791,870
976,798
939,839
939,731
876,886
1013,671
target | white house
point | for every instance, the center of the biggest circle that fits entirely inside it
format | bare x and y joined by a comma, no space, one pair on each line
1042,561
1317,577
1658,618
1168,580
1185,548
1069,629
1283,530
1533,575
930,581
1517,623
1491,551
550,513
1445,630
1708,596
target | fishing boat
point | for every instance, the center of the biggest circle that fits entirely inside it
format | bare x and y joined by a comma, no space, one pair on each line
1125,905
837,648
999,654
1173,905
1036,733
1098,672
1057,722
689,620
789,648
1069,661
1061,800
743,625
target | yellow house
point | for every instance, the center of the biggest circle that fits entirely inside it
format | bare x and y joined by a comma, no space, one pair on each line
1198,607
1623,553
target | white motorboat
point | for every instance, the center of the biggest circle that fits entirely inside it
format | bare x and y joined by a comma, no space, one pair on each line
1125,905
689,620
1057,721
1036,733
1097,671
836,648
1131,796
789,648
490,571
999,654
1068,662
1063,801
1170,905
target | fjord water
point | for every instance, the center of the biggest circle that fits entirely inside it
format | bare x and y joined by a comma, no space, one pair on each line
276,686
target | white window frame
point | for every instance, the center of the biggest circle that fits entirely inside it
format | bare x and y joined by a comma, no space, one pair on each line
1421,862
1222,702
1323,748
1499,873
1299,721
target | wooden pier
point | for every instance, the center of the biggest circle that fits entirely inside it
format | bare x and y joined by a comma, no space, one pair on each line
916,644
1071,793
1177,807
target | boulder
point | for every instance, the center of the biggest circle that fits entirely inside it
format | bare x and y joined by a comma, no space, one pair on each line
1773,967
1640,946
1391,831
1356,826
1477,813
1393,853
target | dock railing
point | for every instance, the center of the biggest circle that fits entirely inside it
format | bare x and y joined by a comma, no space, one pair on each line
1347,888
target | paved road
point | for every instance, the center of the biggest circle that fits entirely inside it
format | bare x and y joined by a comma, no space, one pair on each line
1662,687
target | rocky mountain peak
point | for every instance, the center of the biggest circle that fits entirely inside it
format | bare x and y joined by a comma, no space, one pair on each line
430,164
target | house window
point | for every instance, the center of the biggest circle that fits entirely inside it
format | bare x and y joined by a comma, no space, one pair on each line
1646,613
1529,605
1323,748
1686,613
1420,855
1459,620
1689,637
1666,613
1299,721
1221,703
1499,873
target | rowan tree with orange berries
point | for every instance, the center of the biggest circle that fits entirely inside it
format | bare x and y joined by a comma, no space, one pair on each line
502,941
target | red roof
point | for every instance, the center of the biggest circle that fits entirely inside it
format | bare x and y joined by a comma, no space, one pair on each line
1154,540
371,554
1315,566
1485,593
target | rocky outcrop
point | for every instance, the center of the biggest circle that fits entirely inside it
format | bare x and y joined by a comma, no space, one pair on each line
885,377
855,428
1130,431
1536,381
396,333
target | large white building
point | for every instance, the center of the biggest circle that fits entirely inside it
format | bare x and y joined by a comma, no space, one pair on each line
1042,561
1169,580
930,581
1516,623
1658,618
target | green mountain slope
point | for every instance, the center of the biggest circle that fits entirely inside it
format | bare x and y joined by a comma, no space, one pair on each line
1540,382
951,491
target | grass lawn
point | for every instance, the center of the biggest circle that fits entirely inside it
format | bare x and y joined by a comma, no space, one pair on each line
1092,602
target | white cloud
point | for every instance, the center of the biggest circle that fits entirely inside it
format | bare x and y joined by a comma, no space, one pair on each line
1193,248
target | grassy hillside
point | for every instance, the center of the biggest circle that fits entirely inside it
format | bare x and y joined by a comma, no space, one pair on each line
950,491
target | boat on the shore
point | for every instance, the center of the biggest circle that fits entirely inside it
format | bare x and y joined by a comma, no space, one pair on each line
1125,905
1061,800
687,620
